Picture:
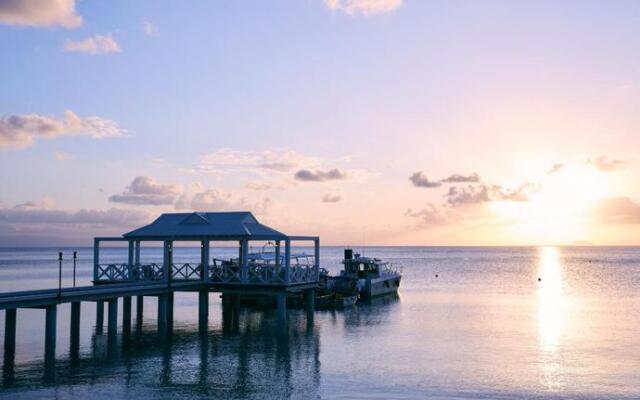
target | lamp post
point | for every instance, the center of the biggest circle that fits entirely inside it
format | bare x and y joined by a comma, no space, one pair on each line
59,276
75,258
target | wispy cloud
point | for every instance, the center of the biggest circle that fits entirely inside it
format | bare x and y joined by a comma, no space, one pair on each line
144,190
429,216
606,164
618,210
419,179
457,178
61,156
149,28
555,168
261,163
457,196
39,13
366,7
331,198
98,44
20,131
306,175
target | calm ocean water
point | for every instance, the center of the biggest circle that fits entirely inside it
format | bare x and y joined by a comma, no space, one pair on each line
484,328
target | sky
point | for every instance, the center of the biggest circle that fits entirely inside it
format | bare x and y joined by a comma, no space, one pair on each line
377,122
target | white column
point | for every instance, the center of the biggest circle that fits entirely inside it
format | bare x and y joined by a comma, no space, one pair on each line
166,260
204,259
244,260
316,260
130,260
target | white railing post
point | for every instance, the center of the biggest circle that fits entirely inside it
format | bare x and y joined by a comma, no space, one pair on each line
316,260
287,260
96,259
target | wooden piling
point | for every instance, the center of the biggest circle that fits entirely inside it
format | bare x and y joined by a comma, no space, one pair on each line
10,319
281,307
203,310
99,317
126,316
139,311
162,314
113,318
75,327
50,334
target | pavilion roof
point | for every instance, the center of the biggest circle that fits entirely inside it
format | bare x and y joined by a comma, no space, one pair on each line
201,225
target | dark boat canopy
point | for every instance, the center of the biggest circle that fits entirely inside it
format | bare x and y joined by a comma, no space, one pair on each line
206,225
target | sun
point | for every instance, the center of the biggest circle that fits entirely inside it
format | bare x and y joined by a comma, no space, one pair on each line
559,211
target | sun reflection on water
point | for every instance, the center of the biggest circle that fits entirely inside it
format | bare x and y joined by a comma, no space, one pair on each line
552,314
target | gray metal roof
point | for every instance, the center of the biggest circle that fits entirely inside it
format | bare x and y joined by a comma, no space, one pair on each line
214,225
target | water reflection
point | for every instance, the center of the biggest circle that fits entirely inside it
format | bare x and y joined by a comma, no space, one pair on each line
241,362
552,314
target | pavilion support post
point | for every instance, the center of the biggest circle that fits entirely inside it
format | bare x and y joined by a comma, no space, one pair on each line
75,327
10,318
113,318
130,260
99,317
136,259
281,307
96,259
167,261
50,334
203,310
139,311
277,255
205,247
287,261
126,316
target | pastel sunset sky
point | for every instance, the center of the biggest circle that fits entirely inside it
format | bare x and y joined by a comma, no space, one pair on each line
379,121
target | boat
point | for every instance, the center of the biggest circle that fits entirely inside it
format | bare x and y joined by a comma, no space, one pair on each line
370,276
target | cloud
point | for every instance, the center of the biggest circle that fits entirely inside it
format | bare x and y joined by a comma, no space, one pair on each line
618,210
606,164
20,131
555,168
366,7
144,190
31,213
457,178
419,179
331,198
457,196
306,175
149,28
32,224
39,13
98,44
201,199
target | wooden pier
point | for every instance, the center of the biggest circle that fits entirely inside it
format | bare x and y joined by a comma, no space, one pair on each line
274,276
